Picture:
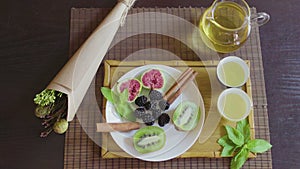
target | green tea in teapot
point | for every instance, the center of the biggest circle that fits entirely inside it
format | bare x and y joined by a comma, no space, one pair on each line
225,26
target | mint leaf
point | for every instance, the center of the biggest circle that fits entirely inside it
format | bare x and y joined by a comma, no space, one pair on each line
124,96
225,141
244,127
106,92
239,159
258,145
228,151
228,146
235,136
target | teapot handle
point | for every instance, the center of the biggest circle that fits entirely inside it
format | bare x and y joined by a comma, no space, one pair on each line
259,19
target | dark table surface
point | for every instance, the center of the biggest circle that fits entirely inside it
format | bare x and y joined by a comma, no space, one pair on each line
34,45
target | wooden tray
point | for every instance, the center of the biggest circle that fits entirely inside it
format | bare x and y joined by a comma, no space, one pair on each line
115,69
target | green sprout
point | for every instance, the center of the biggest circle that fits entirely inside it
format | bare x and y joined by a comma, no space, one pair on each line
45,98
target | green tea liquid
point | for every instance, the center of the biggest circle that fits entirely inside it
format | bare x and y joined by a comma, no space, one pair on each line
232,74
234,106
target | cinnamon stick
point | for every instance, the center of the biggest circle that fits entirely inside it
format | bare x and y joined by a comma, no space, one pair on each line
123,127
182,78
182,87
184,74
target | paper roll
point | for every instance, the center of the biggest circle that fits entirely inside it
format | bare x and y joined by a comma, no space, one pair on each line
76,76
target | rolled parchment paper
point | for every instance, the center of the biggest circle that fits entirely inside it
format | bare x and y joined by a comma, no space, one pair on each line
76,76
123,127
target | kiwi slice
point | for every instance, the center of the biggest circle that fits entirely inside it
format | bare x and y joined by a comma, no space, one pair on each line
149,139
186,116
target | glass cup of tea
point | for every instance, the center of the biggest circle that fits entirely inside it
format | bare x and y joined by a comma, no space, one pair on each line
226,24
234,104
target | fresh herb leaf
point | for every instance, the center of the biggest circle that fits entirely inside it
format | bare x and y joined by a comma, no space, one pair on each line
228,151
228,146
239,138
124,96
224,141
107,93
115,96
244,127
239,159
235,136
258,145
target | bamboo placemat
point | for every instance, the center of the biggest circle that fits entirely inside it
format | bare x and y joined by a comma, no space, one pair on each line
81,152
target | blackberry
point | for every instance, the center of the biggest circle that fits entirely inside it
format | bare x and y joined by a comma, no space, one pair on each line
147,117
139,112
140,101
154,105
156,113
163,105
163,119
151,105
147,105
150,123
155,95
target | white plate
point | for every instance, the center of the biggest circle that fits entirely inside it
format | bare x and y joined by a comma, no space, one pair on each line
177,142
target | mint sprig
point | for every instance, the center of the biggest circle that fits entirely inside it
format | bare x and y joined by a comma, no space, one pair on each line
239,159
244,127
235,136
238,140
229,146
107,93
112,97
120,102
258,145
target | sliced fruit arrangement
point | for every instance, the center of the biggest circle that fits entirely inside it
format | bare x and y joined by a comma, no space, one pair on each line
149,139
141,100
186,116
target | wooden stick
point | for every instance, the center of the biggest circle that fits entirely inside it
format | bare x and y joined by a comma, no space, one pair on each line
184,74
180,90
123,127
183,77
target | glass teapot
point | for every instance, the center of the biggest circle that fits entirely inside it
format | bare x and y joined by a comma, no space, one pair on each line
226,24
